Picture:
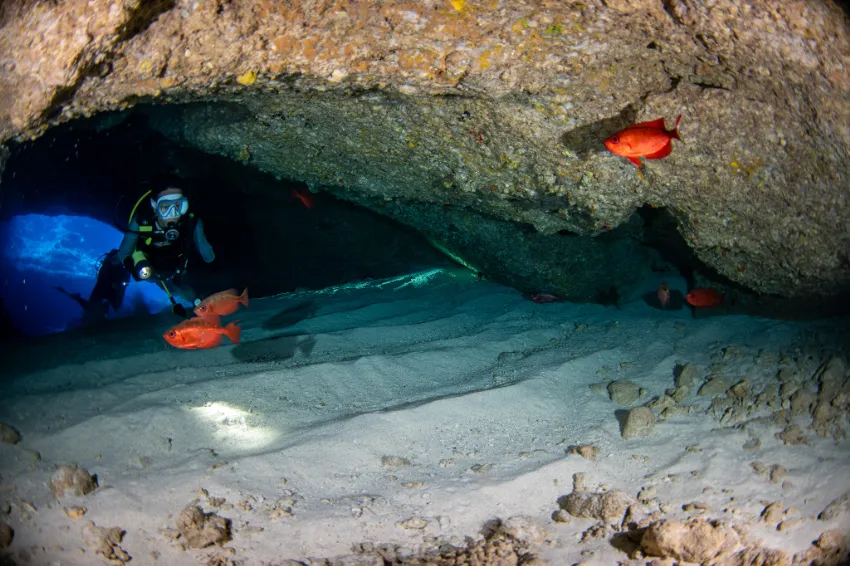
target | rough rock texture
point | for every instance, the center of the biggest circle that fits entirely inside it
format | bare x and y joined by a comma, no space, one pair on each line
74,479
105,542
200,529
6,535
8,435
607,506
637,422
498,107
624,393
696,541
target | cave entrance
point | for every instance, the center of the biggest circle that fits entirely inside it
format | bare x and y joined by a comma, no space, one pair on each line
66,197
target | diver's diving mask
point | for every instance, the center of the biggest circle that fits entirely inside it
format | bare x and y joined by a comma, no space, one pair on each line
170,206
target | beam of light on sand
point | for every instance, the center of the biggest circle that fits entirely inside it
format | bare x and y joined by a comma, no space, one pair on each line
232,428
417,280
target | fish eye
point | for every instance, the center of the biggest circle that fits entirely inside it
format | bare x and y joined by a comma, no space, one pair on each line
615,139
172,334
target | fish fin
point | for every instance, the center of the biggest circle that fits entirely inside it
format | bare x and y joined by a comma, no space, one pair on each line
663,152
214,318
233,292
233,331
659,123
674,133
636,161
244,297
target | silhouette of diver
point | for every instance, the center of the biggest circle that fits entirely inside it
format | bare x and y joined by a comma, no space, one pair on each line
112,280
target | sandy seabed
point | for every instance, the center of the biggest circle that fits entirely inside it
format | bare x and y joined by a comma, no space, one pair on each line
397,418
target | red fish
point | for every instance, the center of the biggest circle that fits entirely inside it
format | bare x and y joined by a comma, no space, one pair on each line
544,298
704,298
663,293
222,303
201,332
304,197
646,139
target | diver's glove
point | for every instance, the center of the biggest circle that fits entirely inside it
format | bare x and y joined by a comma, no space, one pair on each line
179,310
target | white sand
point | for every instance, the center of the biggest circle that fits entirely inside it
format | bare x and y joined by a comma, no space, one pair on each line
448,373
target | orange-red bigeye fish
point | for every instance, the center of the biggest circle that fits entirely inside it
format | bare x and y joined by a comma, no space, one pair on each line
646,139
303,197
663,293
704,298
222,303
201,332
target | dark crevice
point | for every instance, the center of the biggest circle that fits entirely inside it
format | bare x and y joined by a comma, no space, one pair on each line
670,9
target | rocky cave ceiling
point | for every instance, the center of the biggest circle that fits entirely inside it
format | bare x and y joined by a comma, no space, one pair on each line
480,124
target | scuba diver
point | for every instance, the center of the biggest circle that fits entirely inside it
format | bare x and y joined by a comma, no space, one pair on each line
108,291
157,245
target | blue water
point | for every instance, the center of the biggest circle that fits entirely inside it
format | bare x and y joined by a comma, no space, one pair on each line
41,252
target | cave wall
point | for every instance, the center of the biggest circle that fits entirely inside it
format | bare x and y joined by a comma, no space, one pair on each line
497,107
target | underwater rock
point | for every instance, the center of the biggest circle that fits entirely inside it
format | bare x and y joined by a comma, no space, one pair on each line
832,548
686,375
752,444
8,435
607,506
697,540
586,451
624,393
638,422
793,435
836,507
741,390
105,542
200,529
772,514
714,386
72,478
6,535
831,378
394,462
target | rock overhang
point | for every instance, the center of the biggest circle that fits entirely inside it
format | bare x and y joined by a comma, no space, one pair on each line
500,109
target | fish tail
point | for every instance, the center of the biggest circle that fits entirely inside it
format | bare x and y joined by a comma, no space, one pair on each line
243,298
233,331
674,133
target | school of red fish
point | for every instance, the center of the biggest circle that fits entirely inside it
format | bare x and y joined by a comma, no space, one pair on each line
205,330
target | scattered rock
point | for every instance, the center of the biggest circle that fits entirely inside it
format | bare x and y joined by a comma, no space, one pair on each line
647,494
697,540
714,386
624,393
788,524
756,556
777,472
413,524
772,514
686,375
696,507
638,422
788,375
741,390
802,401
599,389
832,548
105,542
6,535
680,393
9,435
836,507
200,529
662,402
73,478
586,451
75,512
561,516
394,462
792,434
607,506
752,444
831,378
